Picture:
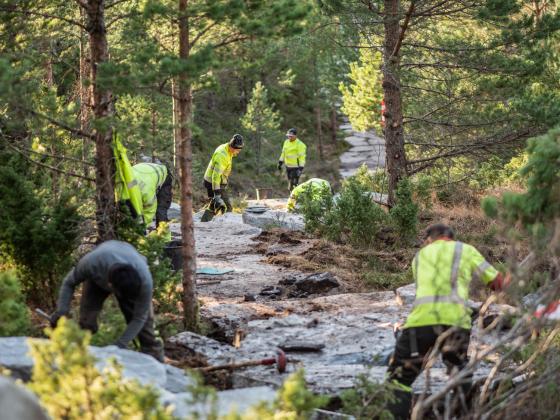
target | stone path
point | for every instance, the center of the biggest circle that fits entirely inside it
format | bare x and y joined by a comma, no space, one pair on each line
366,148
355,330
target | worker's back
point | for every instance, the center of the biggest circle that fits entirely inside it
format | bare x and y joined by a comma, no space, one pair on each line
443,271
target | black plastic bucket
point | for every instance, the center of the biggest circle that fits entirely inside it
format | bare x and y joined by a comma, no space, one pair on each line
174,251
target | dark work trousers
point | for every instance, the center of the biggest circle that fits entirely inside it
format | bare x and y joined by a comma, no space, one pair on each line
91,304
210,211
412,350
164,195
293,177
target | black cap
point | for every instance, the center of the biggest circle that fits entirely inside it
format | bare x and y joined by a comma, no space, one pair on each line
236,141
291,131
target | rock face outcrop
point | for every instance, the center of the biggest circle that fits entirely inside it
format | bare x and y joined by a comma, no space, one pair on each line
274,218
18,403
172,383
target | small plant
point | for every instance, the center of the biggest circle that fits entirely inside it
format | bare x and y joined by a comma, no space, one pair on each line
70,387
14,316
293,402
368,400
404,214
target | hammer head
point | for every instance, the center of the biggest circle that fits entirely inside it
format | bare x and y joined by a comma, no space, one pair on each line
281,361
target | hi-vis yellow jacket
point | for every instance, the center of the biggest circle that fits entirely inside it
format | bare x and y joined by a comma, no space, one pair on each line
442,272
219,167
315,185
126,189
293,153
149,177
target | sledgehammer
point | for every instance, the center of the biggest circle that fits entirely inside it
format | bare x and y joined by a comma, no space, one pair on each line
280,361
43,314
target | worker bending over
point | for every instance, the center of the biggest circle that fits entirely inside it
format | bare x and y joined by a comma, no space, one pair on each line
155,184
442,270
315,186
113,267
216,177
293,156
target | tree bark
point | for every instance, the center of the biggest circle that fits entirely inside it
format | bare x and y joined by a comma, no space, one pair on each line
394,133
103,109
85,96
176,128
190,302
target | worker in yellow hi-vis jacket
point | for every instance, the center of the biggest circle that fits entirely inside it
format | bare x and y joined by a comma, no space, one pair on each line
146,188
216,177
293,156
442,270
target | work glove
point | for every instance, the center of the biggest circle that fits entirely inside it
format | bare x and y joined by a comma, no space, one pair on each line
299,171
55,316
280,165
219,203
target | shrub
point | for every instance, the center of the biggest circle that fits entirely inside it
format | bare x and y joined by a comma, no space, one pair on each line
37,235
293,402
368,400
14,317
404,214
352,217
70,387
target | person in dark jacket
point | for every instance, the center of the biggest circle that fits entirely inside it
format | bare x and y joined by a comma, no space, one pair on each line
114,267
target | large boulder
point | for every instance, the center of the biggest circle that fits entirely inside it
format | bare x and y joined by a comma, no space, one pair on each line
275,218
147,370
16,402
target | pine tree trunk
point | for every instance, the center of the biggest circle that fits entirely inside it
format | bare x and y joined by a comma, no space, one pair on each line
103,108
334,126
190,303
85,95
176,128
394,134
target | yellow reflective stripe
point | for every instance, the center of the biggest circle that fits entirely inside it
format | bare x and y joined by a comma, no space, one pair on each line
481,268
439,299
401,386
457,253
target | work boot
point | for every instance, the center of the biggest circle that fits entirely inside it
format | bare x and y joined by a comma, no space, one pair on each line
207,216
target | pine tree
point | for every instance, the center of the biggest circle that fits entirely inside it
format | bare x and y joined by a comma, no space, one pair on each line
261,120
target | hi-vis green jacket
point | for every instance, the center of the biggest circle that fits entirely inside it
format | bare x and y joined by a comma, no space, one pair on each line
293,153
315,184
149,178
442,272
219,167
126,188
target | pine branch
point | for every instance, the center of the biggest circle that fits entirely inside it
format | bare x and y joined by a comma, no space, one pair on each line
75,131
40,14
44,165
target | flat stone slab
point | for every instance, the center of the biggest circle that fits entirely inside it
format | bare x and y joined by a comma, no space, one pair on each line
141,367
355,141
233,400
275,218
